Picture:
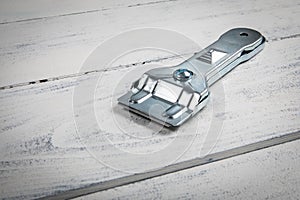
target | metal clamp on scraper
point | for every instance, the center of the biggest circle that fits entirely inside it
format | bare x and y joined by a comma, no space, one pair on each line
181,91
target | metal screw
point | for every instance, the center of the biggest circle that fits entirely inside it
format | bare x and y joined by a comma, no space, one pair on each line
182,74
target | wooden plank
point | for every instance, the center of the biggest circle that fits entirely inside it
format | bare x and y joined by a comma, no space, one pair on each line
42,155
15,11
270,173
176,167
57,46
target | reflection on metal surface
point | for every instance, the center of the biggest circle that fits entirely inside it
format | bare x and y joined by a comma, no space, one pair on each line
182,90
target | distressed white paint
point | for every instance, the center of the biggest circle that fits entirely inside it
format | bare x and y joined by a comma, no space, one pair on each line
40,152
55,46
271,173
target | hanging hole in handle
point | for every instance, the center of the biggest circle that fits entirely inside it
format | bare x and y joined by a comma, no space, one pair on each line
243,34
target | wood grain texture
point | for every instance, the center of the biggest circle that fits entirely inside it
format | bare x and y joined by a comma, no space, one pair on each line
266,174
15,11
42,154
57,46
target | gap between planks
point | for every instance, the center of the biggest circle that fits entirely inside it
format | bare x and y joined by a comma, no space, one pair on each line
85,12
97,187
123,66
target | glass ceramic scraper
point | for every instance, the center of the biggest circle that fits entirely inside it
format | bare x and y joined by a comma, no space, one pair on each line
181,91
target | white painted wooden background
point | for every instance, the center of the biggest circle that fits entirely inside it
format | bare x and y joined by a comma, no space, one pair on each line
271,173
41,154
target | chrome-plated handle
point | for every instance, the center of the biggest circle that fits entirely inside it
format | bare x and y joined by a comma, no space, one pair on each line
232,48
181,91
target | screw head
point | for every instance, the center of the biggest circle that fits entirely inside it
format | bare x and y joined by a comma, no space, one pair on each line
182,74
